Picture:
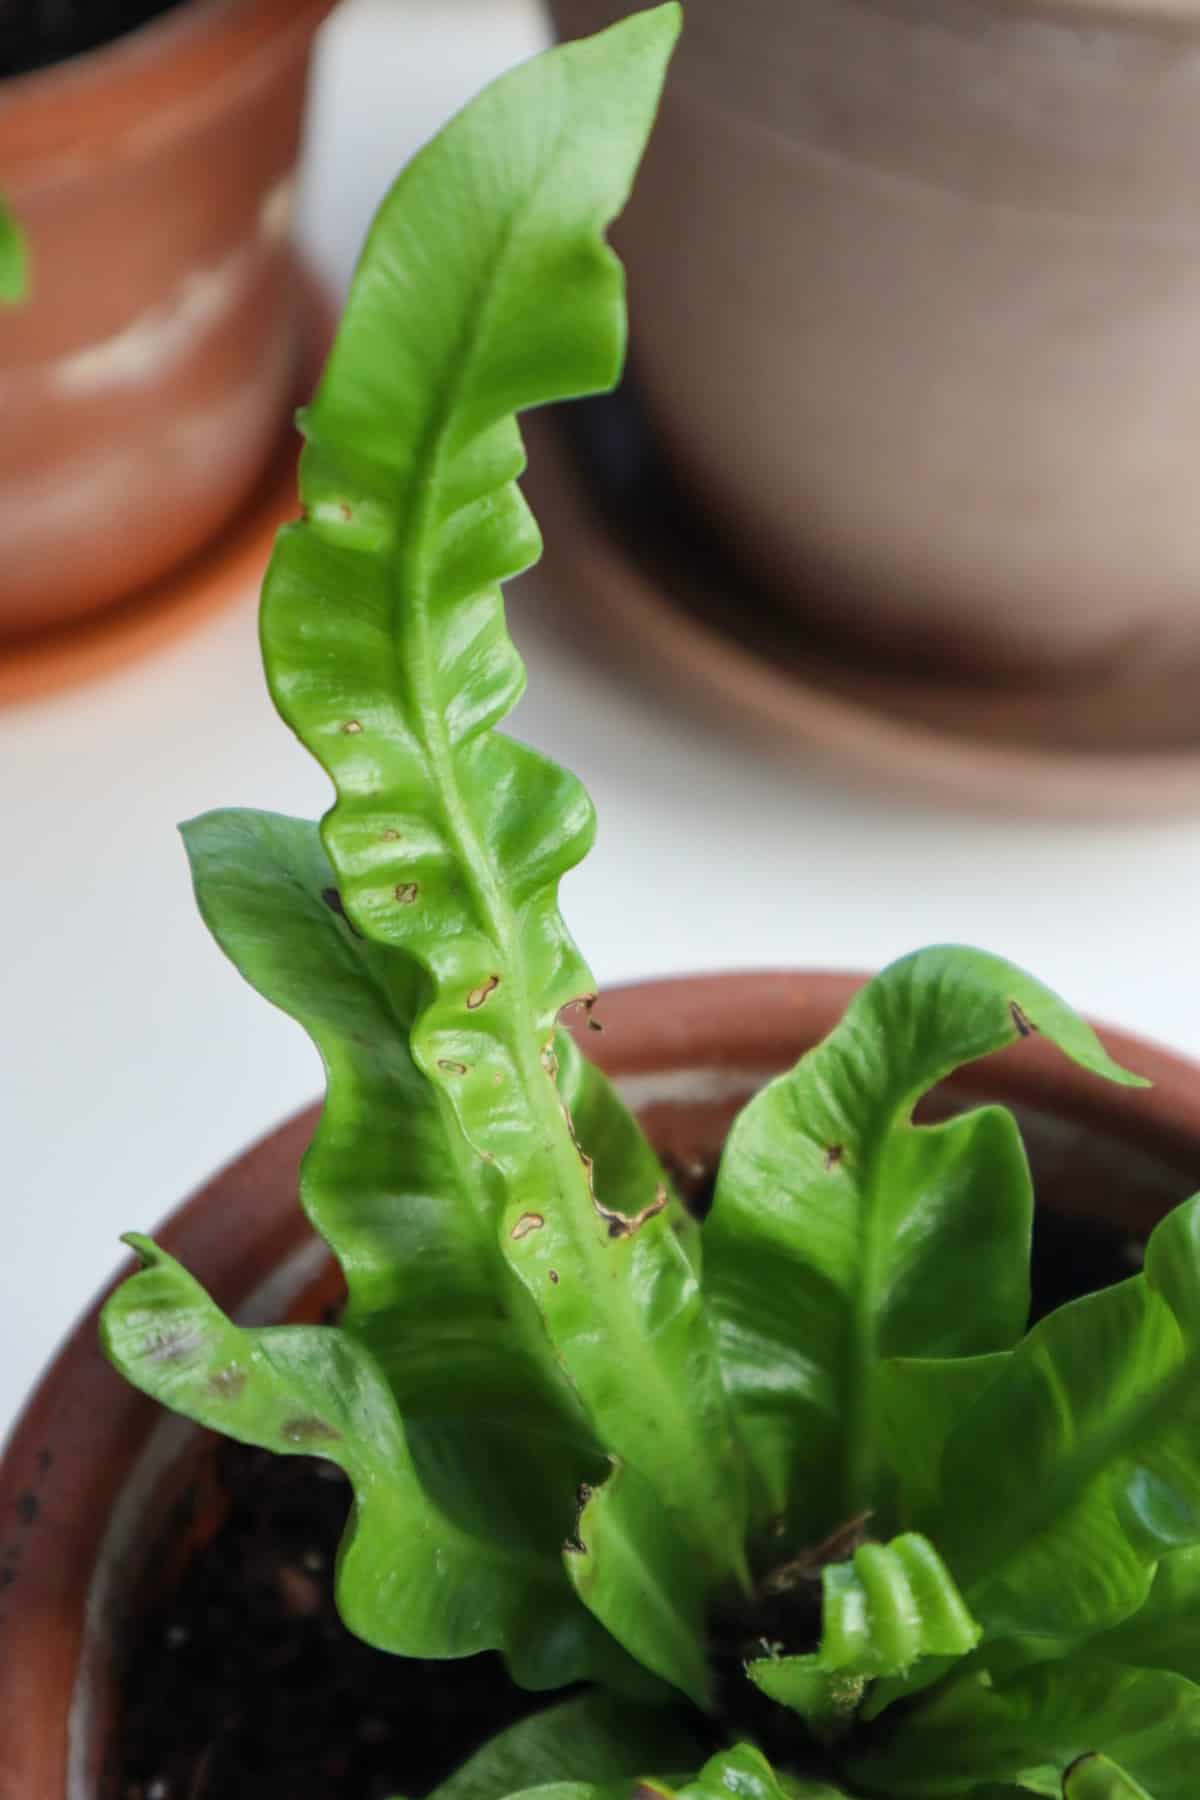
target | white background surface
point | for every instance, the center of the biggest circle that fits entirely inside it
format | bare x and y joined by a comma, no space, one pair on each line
135,1063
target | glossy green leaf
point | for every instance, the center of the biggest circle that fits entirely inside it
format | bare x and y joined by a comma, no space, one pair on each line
920,1401
842,1235
408,1579
826,1702
745,1773
496,1435
559,1790
593,1738
1079,1466
388,1180
624,1167
632,1570
741,1771
14,258
486,287
1034,1730
1164,1633
1098,1778
882,1611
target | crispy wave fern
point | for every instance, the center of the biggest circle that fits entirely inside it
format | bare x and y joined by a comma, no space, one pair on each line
810,1467
421,944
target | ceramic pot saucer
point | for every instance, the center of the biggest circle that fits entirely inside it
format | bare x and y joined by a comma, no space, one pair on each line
649,589
231,567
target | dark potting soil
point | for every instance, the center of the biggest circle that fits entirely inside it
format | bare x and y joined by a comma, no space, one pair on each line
244,1684
36,33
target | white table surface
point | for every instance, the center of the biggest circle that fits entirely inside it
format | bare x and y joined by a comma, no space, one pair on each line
134,1061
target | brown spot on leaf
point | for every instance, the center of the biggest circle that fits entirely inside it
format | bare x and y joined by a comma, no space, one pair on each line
228,1383
1024,1024
346,511
553,1274
352,727
527,1222
623,1225
308,1430
406,892
833,1155
478,995
451,1068
575,1545
390,835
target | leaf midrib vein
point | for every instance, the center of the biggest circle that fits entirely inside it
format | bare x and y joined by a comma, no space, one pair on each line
496,916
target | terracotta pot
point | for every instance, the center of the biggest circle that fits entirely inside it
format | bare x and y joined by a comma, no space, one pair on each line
88,1477
144,386
915,291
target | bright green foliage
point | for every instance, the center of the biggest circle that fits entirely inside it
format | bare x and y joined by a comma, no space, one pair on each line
593,1739
809,1454
1032,1730
423,948
640,1581
1165,1631
1103,1398
408,1579
882,1612
842,1235
540,1754
919,1402
1096,1778
745,1772
14,258
485,286
497,1437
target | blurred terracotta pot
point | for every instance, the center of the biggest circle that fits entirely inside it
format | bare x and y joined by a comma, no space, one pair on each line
144,386
94,1469
915,291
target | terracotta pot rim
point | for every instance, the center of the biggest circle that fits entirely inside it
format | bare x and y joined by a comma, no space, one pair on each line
756,1007
212,50
1131,15
83,1432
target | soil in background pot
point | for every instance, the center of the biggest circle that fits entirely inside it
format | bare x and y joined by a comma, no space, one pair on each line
36,33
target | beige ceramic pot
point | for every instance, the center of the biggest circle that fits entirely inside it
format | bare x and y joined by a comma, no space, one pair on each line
915,291
145,386
94,1470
